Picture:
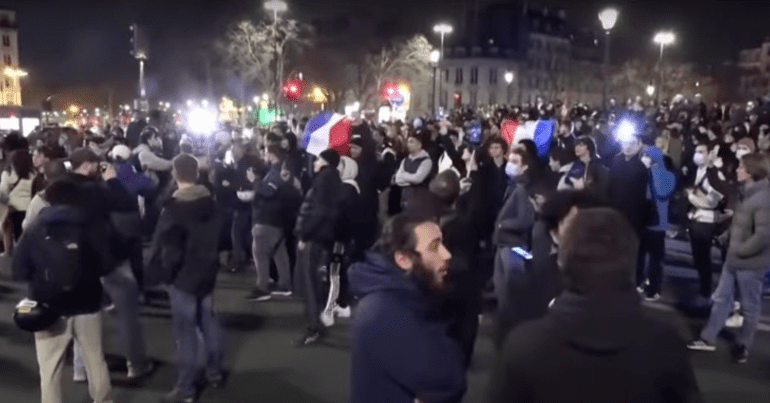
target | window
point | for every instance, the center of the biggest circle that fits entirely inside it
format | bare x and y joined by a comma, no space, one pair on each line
446,75
444,96
492,98
459,75
474,75
6,40
473,97
7,83
493,76
7,59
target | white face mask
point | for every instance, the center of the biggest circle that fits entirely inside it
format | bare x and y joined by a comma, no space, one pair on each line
647,161
512,170
699,159
741,152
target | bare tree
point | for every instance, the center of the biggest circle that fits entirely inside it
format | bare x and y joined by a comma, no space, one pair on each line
252,49
634,76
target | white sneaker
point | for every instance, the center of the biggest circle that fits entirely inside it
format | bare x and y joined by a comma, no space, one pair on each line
342,312
79,374
735,321
327,318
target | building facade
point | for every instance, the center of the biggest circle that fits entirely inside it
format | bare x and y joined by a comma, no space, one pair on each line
10,85
547,59
754,67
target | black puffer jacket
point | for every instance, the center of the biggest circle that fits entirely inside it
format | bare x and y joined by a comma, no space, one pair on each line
184,247
320,208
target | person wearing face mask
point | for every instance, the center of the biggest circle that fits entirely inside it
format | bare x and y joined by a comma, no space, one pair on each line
586,172
705,191
512,229
661,189
763,139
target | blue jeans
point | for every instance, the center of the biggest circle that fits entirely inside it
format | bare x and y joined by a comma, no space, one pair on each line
190,314
750,290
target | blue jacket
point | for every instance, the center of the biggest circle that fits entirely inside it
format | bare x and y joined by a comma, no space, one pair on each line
135,182
398,351
662,187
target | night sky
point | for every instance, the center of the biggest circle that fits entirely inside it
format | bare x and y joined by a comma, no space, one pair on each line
87,42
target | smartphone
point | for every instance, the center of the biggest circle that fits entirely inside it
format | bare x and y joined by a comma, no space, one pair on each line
522,253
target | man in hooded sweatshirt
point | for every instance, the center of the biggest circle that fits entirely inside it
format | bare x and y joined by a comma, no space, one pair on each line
400,349
315,231
595,344
185,249
659,193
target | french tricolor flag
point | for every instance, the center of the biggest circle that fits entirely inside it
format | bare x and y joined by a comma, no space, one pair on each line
327,130
539,131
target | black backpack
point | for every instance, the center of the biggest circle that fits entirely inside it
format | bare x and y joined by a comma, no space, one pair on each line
61,257
134,161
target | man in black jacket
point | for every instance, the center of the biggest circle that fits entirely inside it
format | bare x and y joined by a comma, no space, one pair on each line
79,307
274,199
315,232
184,250
595,344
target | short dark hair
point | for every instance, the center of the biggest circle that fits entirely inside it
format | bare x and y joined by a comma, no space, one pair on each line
62,192
597,252
54,170
498,140
398,233
186,168
756,165
560,203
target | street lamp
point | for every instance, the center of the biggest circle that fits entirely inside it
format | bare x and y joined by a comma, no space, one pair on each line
663,39
442,29
434,57
276,6
608,17
508,76
650,90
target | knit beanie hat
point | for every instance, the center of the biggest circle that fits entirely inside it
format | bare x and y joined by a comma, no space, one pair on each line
331,156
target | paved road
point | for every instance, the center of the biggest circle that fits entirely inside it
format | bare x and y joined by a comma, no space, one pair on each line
266,368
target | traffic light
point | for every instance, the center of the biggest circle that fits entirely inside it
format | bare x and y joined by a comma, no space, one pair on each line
293,90
458,99
389,90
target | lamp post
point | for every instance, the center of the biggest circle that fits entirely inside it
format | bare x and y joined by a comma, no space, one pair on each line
442,29
650,90
435,56
608,18
508,79
663,39
277,6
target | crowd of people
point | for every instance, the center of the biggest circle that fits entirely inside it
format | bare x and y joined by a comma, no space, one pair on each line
409,225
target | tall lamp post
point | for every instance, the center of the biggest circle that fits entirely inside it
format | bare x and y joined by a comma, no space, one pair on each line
442,29
435,56
508,79
608,18
663,39
277,6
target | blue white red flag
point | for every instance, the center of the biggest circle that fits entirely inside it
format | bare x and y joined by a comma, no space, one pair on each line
327,130
540,131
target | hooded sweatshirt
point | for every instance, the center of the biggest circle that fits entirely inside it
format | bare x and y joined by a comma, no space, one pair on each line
589,349
662,187
184,250
399,352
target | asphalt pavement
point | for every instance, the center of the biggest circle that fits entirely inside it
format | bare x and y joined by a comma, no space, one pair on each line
264,366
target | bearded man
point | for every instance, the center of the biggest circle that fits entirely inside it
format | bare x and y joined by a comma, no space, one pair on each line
400,349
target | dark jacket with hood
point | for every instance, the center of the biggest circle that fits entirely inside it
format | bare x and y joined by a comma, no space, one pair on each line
628,189
184,247
320,208
594,350
399,350
30,261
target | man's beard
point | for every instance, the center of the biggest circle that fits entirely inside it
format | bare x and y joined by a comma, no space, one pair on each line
427,279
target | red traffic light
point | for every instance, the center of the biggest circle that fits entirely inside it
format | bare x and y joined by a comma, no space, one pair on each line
389,90
293,89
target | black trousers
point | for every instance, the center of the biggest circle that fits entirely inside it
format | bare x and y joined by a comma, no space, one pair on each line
652,244
701,240
308,281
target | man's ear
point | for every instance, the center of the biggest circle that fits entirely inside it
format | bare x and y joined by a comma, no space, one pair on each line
403,260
